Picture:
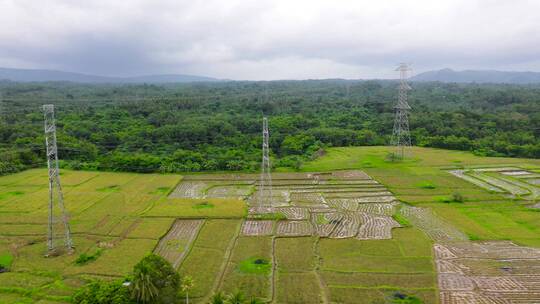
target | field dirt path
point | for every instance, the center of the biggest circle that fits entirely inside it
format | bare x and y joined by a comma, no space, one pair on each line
324,293
127,231
218,283
273,273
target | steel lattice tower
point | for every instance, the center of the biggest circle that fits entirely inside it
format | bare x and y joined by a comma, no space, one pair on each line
1,108
57,222
401,137
265,187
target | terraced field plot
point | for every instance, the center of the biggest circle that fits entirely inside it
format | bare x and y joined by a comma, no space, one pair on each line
337,204
358,209
489,272
175,244
514,181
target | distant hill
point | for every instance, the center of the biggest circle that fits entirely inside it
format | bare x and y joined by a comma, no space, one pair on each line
479,76
26,75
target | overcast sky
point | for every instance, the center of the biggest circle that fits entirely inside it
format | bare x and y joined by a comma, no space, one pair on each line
277,39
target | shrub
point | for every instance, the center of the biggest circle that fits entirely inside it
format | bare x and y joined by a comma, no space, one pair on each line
5,262
403,221
85,258
399,297
458,197
393,157
427,185
102,292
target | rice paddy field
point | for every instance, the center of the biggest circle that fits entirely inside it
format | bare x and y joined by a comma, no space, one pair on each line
351,227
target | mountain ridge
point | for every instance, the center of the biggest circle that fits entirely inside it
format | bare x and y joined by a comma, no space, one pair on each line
478,76
45,75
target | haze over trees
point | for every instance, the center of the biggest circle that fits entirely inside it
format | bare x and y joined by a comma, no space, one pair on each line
216,126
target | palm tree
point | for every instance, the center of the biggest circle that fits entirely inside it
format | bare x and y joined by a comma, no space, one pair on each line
186,284
218,298
236,298
143,290
255,301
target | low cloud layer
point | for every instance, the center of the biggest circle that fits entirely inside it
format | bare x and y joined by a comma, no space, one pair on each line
269,39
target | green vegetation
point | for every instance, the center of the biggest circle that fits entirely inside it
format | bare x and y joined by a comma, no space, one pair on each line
186,285
161,190
103,292
234,298
112,188
85,258
5,261
216,126
403,221
371,158
321,219
155,281
401,298
255,265
427,185
203,205
456,197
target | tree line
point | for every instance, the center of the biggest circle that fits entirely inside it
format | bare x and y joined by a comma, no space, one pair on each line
217,126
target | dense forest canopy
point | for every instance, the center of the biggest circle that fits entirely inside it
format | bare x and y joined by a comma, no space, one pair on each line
217,126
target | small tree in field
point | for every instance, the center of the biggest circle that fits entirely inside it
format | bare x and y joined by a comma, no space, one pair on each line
186,285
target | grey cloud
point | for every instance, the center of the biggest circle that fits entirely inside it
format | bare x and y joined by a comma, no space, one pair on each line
267,39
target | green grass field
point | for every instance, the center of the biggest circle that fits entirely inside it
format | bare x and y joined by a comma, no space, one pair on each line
124,216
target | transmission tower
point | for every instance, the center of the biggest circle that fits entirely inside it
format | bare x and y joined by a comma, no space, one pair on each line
2,119
401,137
265,187
58,226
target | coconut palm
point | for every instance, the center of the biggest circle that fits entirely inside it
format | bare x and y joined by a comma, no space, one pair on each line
255,301
236,298
218,298
186,285
143,290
